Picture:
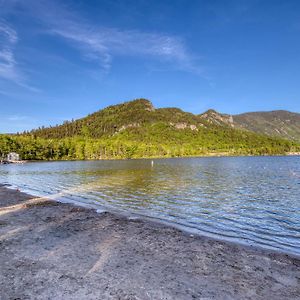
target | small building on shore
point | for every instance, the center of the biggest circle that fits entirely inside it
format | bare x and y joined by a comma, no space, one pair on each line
13,156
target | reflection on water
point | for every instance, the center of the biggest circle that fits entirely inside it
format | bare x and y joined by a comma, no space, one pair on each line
248,199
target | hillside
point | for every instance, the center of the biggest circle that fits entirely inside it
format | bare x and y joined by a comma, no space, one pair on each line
137,129
117,118
114,119
280,123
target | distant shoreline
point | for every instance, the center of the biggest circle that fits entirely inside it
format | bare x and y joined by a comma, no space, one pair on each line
51,249
166,157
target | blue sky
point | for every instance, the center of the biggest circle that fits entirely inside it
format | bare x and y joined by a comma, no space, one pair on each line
64,59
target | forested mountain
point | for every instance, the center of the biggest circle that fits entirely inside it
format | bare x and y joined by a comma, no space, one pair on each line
137,129
278,123
138,113
114,119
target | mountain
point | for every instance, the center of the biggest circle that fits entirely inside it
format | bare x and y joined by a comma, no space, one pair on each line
214,117
279,123
137,129
137,113
114,119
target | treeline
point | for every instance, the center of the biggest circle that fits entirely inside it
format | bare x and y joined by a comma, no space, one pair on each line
159,140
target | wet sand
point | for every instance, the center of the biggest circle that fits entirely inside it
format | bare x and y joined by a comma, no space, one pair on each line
50,250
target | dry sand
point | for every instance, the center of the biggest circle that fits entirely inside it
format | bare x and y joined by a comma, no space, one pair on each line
50,250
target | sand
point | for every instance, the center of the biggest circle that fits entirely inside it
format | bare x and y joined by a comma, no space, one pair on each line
50,250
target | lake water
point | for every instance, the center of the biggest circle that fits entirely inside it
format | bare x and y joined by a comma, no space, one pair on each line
253,200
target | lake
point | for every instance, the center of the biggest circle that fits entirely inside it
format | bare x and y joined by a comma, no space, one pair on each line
250,200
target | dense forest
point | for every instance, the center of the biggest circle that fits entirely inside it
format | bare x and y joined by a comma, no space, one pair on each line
136,129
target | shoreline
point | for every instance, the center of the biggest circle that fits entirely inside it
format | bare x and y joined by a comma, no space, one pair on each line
210,155
185,229
94,255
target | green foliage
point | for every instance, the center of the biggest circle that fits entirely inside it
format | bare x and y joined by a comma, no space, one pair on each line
152,141
112,119
134,130
279,123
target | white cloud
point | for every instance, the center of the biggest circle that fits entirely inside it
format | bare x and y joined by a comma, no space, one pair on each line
95,43
9,69
8,39
102,44
16,118
16,123
9,32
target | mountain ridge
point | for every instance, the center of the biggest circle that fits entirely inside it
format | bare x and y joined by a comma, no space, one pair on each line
280,123
136,129
115,118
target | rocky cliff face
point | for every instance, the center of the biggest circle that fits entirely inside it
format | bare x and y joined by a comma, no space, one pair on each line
217,118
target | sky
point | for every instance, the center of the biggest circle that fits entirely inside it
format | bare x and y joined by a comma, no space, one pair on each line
60,60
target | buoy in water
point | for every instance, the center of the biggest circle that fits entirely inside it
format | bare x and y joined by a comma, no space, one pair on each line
152,163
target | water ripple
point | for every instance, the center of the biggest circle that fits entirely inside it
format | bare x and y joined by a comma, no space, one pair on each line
253,200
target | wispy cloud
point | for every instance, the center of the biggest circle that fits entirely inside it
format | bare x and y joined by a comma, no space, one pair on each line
8,65
16,123
95,43
103,44
17,118
9,69
9,32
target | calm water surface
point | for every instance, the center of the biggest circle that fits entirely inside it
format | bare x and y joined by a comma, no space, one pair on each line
254,200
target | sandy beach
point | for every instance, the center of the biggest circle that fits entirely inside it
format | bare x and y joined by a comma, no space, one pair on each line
50,250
